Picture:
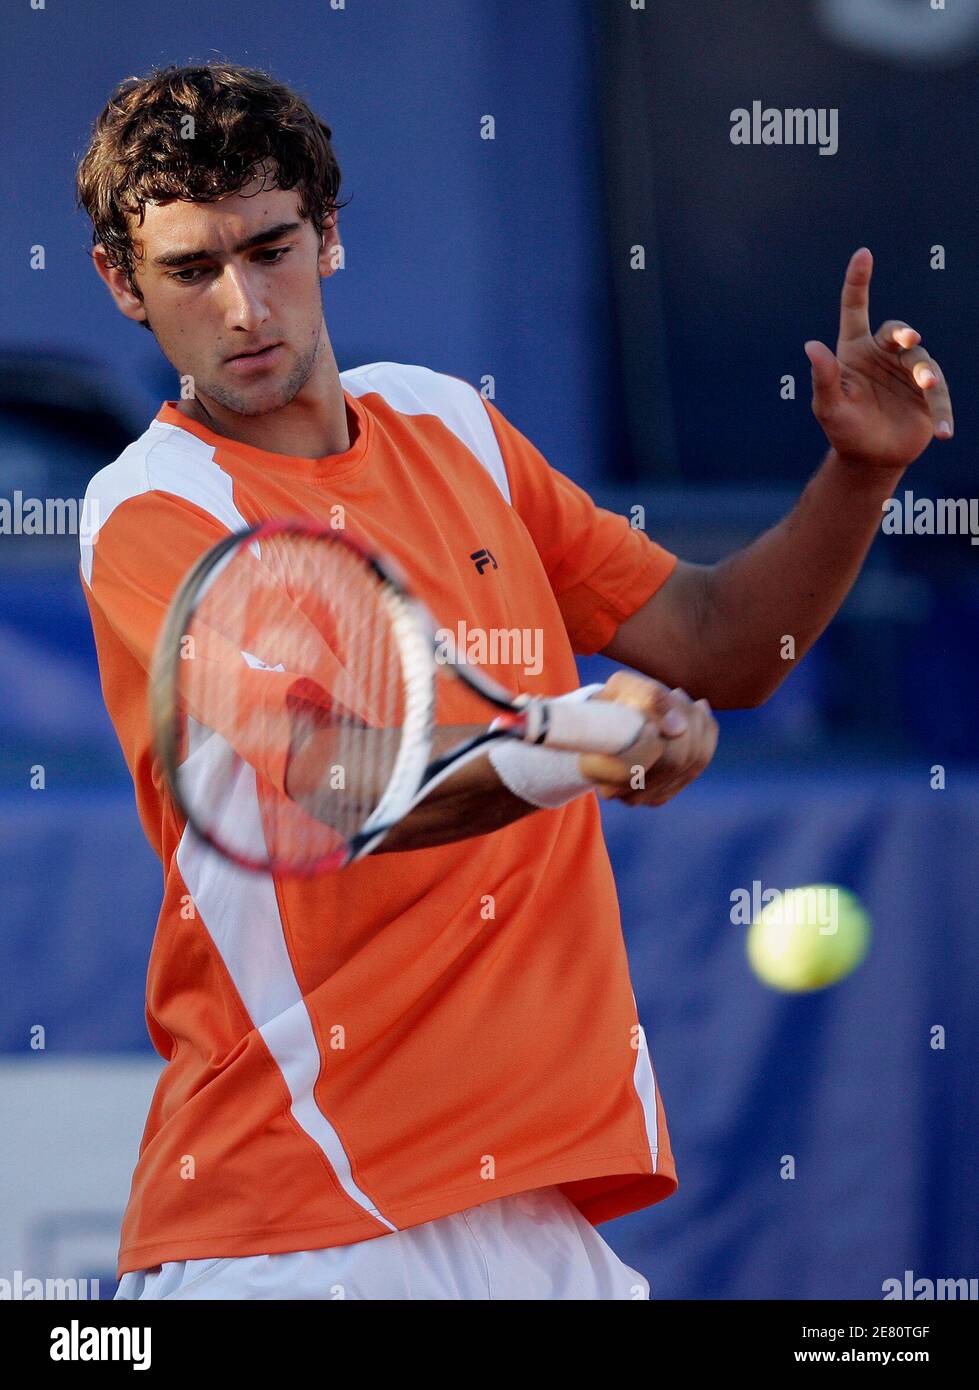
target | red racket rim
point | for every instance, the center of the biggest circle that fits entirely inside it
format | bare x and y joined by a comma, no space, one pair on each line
164,682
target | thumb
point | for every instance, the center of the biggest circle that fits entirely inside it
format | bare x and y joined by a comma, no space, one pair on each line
825,373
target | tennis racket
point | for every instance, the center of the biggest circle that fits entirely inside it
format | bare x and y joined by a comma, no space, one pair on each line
292,700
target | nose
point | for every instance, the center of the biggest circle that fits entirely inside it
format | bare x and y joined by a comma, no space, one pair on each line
245,306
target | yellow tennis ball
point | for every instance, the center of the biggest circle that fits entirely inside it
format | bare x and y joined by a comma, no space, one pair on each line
808,937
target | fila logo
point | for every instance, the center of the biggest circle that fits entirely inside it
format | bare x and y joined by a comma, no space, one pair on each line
257,664
481,558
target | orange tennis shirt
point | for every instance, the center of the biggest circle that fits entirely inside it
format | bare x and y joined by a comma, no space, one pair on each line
424,1031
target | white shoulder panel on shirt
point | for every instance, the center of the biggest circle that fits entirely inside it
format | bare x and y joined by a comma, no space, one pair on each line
163,459
166,458
415,390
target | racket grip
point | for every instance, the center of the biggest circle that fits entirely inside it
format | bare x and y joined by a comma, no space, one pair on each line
591,726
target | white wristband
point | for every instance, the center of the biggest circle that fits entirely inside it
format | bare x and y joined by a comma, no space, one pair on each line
544,777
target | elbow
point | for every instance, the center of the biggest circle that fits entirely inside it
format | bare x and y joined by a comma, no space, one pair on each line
731,678
746,693
756,698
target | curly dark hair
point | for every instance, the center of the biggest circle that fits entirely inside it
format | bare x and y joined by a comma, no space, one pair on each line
197,134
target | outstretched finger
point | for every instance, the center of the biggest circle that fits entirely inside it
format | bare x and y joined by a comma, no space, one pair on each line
855,299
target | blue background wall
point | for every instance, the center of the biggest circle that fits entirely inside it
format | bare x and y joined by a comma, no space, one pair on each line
467,255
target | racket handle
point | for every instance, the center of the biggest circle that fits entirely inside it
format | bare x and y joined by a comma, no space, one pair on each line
592,726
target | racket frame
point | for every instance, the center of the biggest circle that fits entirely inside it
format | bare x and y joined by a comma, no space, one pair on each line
413,631
421,654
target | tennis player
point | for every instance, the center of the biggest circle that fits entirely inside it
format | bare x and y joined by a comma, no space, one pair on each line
423,1077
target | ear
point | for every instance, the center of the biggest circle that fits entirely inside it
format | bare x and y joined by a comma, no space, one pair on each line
330,248
126,302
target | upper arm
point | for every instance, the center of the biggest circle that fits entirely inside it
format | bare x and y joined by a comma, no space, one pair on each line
664,636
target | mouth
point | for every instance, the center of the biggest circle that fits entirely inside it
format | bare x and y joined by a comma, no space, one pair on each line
254,357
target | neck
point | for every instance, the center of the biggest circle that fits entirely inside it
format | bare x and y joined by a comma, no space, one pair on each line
312,425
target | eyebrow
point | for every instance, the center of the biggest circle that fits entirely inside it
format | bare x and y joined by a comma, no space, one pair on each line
180,258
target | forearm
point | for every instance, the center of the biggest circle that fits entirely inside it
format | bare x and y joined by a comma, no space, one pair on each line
472,801
790,581
671,743
337,790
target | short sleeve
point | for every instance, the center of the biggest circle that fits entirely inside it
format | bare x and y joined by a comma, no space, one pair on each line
600,568
134,564
131,570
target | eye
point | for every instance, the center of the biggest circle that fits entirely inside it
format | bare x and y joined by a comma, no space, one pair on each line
192,274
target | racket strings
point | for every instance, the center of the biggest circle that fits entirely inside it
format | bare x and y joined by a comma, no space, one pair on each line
290,700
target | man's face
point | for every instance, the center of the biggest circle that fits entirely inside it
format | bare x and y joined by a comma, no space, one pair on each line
231,290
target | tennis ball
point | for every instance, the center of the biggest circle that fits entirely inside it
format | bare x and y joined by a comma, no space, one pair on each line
808,938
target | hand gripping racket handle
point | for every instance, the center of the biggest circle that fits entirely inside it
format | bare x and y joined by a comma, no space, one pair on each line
592,726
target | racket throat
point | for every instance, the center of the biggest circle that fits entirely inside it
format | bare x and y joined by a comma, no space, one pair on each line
531,724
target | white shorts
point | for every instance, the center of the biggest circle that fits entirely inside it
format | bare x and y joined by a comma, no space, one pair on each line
534,1245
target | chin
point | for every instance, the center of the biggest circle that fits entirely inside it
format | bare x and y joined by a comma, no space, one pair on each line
261,400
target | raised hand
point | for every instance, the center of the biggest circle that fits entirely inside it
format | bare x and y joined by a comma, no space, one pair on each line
881,398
